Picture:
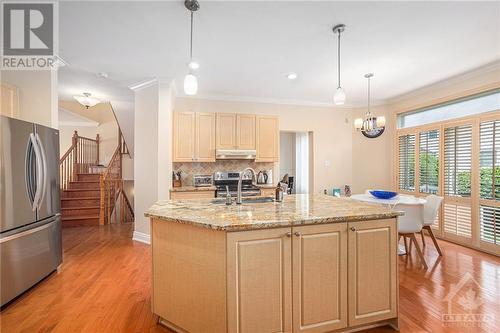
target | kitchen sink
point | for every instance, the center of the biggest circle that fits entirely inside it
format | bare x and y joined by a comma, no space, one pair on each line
244,201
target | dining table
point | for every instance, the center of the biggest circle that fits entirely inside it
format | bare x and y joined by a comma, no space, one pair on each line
398,203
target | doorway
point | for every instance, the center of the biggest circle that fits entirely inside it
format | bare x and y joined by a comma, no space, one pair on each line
296,161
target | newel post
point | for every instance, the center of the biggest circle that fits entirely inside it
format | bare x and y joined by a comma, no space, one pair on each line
97,139
74,141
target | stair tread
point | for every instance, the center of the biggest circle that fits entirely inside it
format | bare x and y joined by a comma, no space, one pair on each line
79,217
84,181
79,189
82,198
82,208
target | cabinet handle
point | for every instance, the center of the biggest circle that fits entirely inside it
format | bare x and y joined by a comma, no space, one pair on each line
297,234
288,234
353,229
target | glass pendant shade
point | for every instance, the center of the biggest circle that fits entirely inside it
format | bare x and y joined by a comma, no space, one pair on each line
381,121
86,100
339,97
190,85
358,123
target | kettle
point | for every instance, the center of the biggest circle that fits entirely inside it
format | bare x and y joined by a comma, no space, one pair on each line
261,178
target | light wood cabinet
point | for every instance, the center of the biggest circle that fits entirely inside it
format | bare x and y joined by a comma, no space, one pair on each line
235,131
245,131
373,286
304,279
205,137
267,132
259,281
319,261
193,137
187,195
184,136
226,131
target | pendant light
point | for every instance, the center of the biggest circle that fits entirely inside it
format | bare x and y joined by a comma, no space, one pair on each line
339,97
371,126
190,81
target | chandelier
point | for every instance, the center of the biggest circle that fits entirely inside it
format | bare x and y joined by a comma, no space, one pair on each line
370,126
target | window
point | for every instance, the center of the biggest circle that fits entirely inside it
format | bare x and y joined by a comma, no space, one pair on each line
458,161
429,161
485,102
489,161
407,162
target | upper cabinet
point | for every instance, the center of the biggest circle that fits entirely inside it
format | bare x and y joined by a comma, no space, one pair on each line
9,100
267,133
245,131
226,131
194,137
235,131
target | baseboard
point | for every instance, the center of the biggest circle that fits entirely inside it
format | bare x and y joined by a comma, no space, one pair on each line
141,237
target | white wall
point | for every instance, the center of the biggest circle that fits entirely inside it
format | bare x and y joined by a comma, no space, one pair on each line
331,127
152,158
37,95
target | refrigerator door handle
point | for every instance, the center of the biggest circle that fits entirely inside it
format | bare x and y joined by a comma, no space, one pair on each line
44,169
39,172
26,232
28,174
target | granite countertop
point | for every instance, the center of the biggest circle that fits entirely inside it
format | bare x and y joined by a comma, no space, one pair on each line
297,209
266,185
192,188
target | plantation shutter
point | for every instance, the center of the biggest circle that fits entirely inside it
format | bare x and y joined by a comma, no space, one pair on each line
489,191
458,161
407,162
457,217
429,161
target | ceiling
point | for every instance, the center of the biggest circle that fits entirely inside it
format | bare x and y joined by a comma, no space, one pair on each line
245,49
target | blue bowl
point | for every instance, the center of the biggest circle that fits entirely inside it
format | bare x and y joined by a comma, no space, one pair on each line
383,194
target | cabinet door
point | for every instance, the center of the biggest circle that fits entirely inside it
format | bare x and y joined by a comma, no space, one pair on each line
245,131
259,281
188,195
226,131
205,137
267,139
9,100
372,271
184,136
319,261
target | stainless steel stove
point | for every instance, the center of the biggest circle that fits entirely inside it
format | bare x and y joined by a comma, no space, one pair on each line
230,179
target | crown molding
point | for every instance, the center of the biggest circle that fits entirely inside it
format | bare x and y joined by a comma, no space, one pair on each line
143,84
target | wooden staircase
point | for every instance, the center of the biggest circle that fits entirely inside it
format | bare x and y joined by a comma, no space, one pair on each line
80,202
91,194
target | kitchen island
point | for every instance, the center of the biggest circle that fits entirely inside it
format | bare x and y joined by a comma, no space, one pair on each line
312,263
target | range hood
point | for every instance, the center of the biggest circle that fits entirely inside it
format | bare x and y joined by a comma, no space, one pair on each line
235,154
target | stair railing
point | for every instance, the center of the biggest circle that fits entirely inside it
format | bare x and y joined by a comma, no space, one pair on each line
79,158
112,193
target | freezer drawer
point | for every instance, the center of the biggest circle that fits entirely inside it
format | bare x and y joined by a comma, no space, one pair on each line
29,256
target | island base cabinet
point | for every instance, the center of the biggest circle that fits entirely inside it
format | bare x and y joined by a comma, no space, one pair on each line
373,284
259,281
319,271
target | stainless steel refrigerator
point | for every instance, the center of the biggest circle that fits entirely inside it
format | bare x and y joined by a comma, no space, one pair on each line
30,222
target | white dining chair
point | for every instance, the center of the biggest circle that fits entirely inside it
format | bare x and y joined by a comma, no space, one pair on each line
431,208
409,224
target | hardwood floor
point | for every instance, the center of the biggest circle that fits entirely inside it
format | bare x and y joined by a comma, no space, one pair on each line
104,286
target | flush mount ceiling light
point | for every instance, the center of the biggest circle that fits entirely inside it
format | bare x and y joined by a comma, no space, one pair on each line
291,76
87,100
190,81
339,97
371,126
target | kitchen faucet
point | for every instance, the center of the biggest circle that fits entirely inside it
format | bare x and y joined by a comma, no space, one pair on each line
238,196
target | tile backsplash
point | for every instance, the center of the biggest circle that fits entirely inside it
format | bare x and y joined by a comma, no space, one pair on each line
189,168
